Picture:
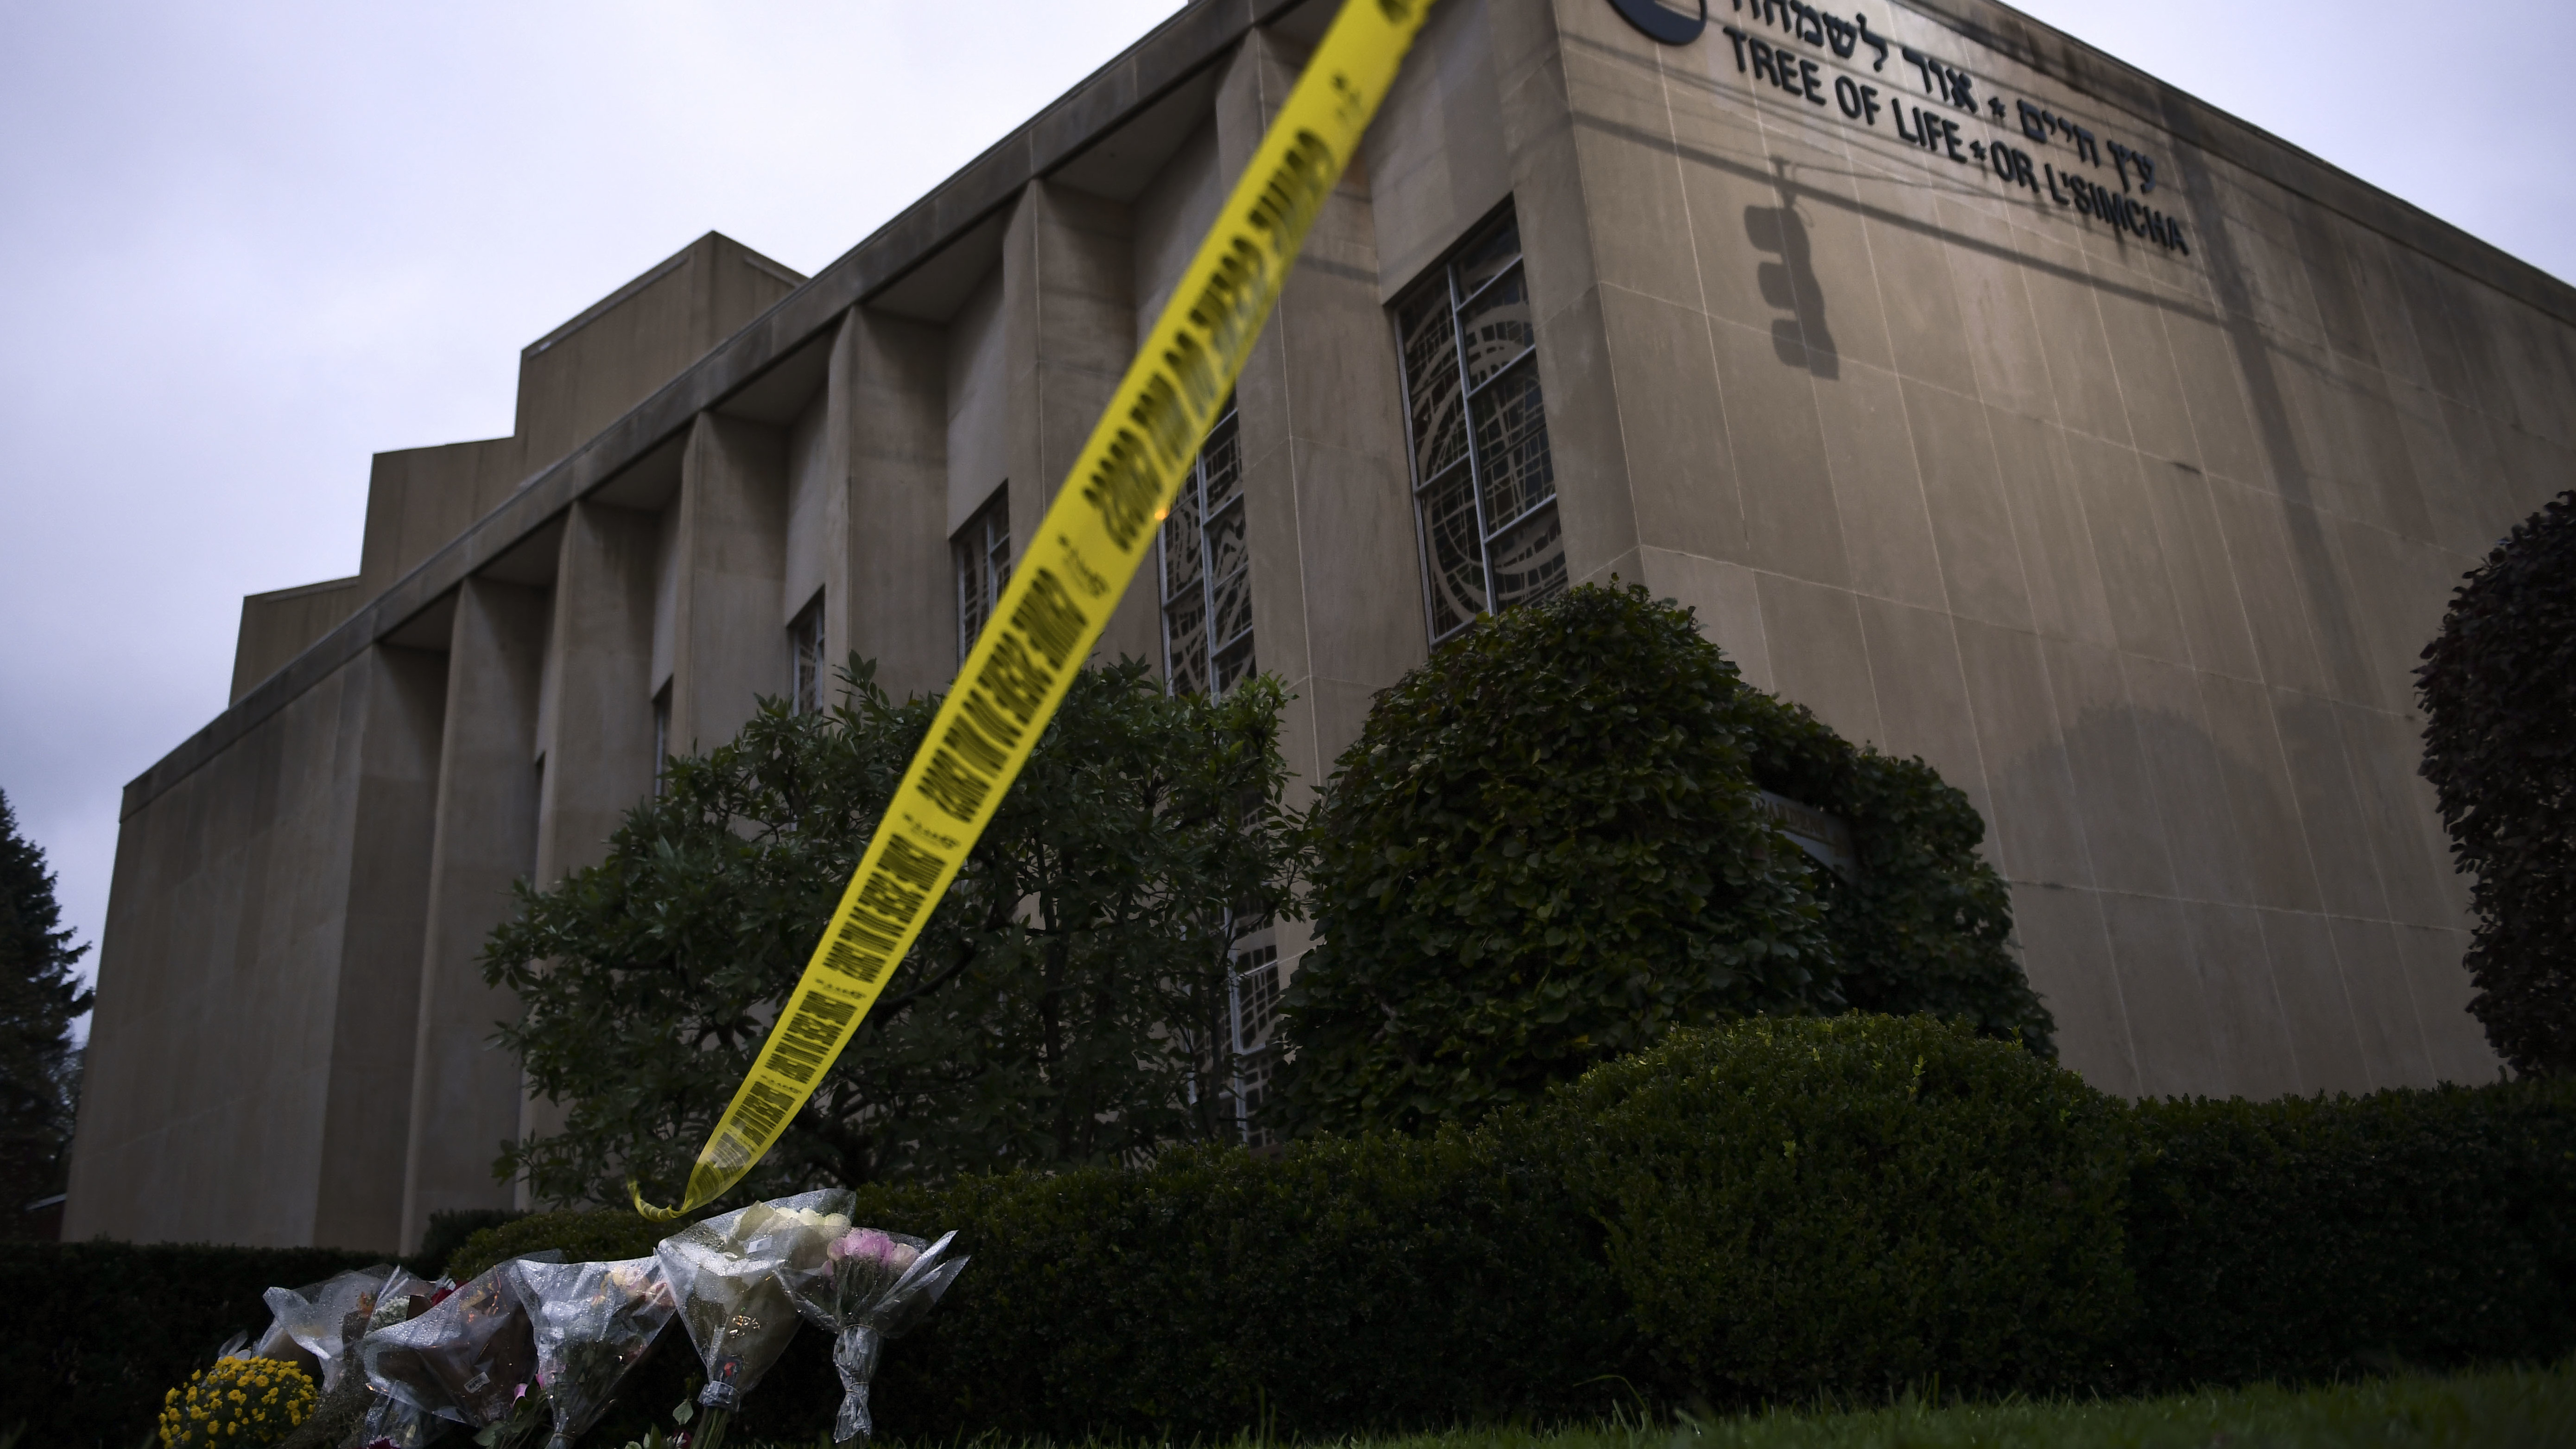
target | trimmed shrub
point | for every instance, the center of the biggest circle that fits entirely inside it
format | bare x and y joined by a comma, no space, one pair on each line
1380,1285
2309,1238
1922,924
1773,1210
1544,850
1345,1286
2499,690
1851,1207
449,1231
96,1334
1548,847
584,1237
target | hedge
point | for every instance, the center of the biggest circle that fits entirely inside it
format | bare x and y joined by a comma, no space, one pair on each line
1852,1207
93,1334
2306,1239
1758,1213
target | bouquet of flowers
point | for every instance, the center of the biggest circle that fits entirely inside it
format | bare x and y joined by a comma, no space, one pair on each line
383,1419
724,1273
393,1424
314,1321
240,1403
593,1322
468,1358
868,1287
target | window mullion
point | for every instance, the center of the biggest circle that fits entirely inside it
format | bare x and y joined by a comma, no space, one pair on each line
1467,418
1207,578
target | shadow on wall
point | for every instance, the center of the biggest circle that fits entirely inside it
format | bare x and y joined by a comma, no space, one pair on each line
2169,957
1801,339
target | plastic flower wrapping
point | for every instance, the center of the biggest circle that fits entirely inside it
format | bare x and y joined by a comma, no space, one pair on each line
392,1424
867,1287
592,1322
466,1359
315,1320
725,1275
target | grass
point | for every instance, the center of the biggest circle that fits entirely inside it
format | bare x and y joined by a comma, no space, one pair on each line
2500,1409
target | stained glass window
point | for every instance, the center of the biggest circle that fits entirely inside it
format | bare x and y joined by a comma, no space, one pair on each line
805,659
983,552
1207,571
1484,484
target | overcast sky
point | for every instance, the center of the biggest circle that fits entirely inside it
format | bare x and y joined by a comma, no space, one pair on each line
243,246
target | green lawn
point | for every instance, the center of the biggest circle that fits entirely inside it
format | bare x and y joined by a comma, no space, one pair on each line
2530,1409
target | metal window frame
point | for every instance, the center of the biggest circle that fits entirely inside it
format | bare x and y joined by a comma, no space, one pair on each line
982,556
804,672
1195,487
1444,275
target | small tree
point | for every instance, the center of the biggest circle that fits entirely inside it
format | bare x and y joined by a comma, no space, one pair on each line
40,997
1549,847
2499,691
1066,1004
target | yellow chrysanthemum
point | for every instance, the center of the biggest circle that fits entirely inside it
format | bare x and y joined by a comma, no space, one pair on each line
252,1403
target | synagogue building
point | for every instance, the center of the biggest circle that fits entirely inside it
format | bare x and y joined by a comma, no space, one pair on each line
2000,403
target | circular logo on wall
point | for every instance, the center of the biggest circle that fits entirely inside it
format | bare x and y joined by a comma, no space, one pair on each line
1669,21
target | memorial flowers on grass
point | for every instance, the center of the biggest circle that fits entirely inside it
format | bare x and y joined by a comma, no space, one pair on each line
869,1287
316,1321
239,1403
467,1359
725,1275
593,1322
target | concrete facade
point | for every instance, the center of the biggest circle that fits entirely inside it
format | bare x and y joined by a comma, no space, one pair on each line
2127,507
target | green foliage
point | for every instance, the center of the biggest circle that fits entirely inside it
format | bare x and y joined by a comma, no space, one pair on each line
1065,1004
96,1333
2311,1237
1922,924
583,1237
1954,1211
1548,847
2499,691
1384,1282
450,1231
40,996
2500,1409
1850,1206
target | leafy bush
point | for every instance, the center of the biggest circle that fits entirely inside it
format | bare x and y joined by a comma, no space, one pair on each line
1065,1003
1921,925
2499,689
1770,1210
96,1334
1848,1207
2307,1238
583,1237
1548,847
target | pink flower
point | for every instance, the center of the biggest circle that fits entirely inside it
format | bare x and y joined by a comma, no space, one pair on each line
867,1245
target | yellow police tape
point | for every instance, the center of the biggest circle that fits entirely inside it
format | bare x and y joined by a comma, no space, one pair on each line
1062,589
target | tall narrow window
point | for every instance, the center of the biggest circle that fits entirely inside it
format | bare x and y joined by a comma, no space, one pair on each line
1484,487
661,736
1207,571
805,659
983,551
1252,1009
